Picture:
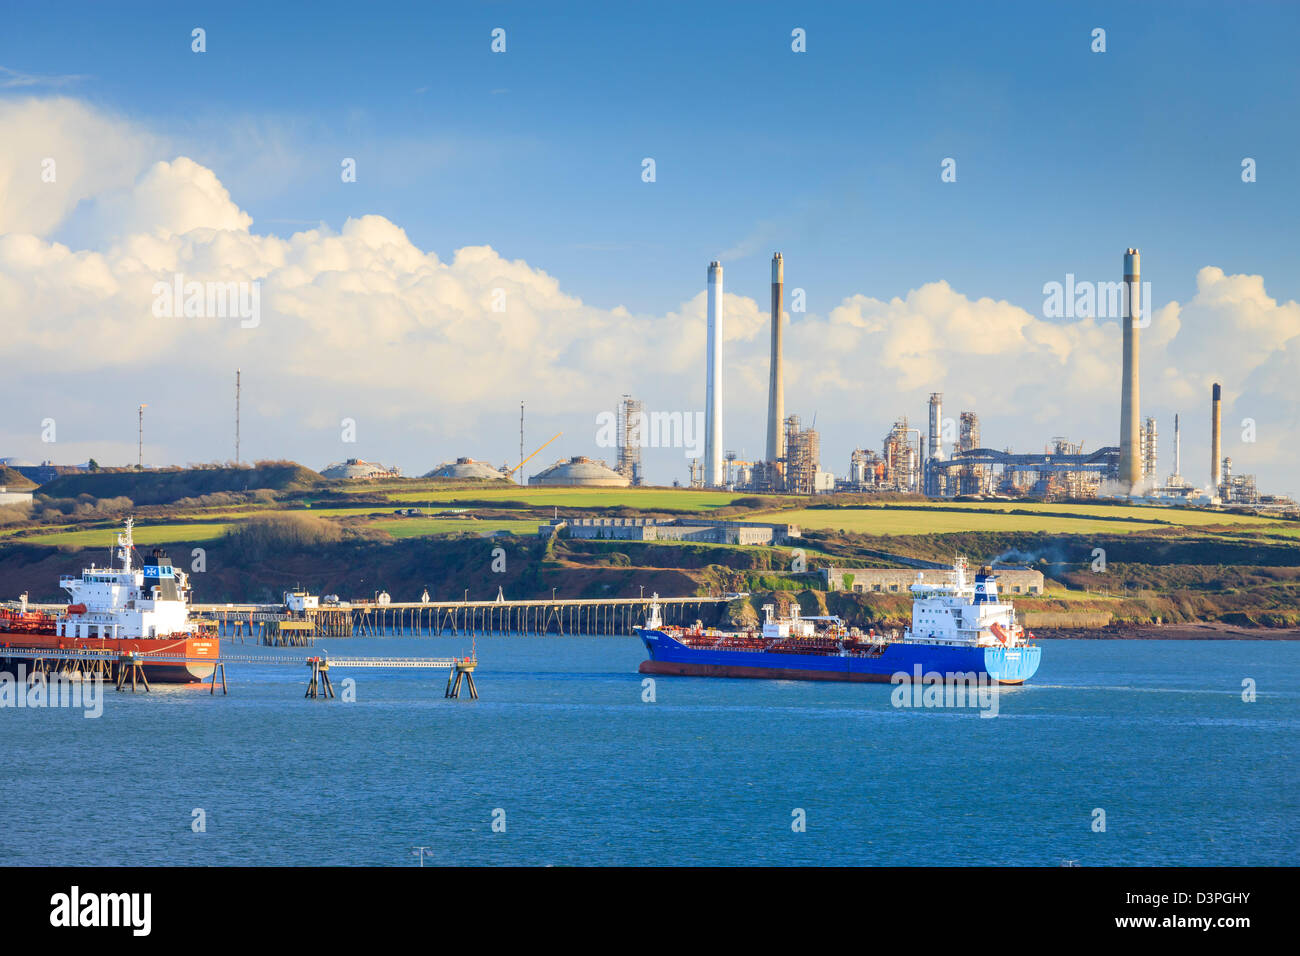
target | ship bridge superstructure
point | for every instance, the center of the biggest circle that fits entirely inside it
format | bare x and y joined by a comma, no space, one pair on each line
151,601
962,611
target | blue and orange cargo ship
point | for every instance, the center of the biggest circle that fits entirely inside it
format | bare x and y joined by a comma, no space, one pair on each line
960,631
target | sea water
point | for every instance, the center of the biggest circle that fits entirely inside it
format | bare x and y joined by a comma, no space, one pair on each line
1117,753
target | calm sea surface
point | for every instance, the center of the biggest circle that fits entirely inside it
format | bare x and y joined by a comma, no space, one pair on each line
1154,733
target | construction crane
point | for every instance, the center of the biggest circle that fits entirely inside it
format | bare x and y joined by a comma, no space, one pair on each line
531,457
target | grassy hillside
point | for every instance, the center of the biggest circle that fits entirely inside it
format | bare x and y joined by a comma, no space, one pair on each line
278,525
168,485
15,480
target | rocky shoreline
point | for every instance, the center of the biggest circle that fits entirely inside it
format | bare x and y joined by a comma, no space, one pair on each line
1204,631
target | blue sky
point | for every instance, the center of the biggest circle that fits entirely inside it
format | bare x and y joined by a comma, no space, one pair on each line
1064,156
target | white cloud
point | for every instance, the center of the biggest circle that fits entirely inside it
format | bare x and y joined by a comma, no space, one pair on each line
362,323
17,79
170,199
93,152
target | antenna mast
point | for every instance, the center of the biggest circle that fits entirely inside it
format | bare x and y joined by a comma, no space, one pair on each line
521,443
139,440
236,416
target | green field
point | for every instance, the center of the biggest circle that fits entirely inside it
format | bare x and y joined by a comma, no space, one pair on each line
527,507
144,535
647,499
186,532
425,527
1181,516
900,521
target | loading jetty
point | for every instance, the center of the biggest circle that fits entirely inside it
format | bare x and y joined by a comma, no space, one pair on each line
297,623
125,670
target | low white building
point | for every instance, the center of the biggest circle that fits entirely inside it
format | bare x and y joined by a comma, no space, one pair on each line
299,601
8,497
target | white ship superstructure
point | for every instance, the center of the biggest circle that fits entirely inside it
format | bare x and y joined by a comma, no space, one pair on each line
149,602
958,611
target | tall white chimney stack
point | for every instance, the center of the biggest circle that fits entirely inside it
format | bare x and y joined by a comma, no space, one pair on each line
713,474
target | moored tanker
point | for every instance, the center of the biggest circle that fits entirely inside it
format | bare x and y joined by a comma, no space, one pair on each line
116,611
960,630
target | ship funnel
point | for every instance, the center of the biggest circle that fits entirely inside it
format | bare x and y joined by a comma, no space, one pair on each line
986,586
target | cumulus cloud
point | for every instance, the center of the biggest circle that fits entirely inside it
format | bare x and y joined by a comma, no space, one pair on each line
170,199
429,356
91,152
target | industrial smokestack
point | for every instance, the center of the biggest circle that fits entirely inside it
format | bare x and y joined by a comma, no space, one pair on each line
1178,448
1216,438
776,383
1130,431
713,476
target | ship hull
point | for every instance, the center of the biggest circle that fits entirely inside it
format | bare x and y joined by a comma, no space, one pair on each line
201,653
1003,665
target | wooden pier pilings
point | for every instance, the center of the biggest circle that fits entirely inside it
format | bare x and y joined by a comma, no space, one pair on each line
533,618
271,626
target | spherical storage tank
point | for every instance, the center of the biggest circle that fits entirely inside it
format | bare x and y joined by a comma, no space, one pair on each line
465,468
580,471
358,468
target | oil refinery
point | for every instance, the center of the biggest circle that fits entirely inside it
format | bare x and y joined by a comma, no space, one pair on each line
944,460
959,464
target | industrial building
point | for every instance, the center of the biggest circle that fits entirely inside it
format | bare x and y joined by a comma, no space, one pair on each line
579,471
802,458
8,497
896,468
1149,453
466,468
909,462
866,471
900,580
700,530
631,436
1063,471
